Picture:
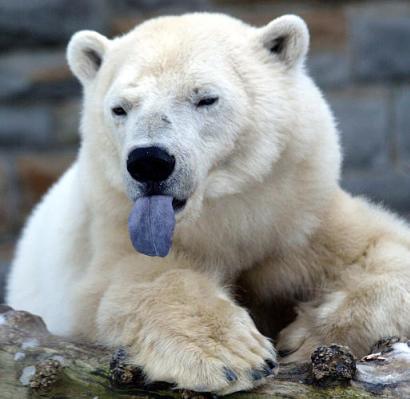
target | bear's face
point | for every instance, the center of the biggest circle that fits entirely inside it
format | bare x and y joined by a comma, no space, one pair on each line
192,107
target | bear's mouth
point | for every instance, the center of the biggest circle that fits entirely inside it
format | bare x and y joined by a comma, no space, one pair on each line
155,189
178,204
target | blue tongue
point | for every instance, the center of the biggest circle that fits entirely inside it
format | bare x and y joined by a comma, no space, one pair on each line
151,225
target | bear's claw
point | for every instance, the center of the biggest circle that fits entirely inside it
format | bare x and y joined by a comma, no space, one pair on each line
230,375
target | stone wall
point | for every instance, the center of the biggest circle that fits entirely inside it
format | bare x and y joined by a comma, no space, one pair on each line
360,57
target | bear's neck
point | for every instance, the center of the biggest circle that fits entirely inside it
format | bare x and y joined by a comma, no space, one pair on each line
235,232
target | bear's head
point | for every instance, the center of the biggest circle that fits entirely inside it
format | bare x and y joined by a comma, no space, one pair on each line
200,107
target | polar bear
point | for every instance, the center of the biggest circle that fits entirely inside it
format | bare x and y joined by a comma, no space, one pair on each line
267,246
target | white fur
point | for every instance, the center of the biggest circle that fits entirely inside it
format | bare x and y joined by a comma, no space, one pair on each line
260,168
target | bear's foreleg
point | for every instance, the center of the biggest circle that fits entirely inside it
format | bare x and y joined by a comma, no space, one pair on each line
370,301
182,327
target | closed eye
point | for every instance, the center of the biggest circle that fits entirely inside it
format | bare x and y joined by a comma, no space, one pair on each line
207,101
119,111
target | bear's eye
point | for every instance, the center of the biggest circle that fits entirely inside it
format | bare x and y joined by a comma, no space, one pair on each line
207,101
119,111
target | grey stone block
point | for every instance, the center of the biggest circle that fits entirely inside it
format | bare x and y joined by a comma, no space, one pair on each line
391,188
329,69
4,270
156,5
48,21
67,117
362,117
20,126
402,115
380,46
36,74
6,191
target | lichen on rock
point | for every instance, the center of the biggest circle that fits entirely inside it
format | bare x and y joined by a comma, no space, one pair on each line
333,365
47,373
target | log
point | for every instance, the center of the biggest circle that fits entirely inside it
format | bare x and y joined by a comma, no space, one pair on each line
36,364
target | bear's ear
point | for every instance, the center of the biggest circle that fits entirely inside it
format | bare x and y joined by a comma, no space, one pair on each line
85,54
286,38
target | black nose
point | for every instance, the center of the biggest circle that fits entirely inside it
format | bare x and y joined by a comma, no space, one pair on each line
150,164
